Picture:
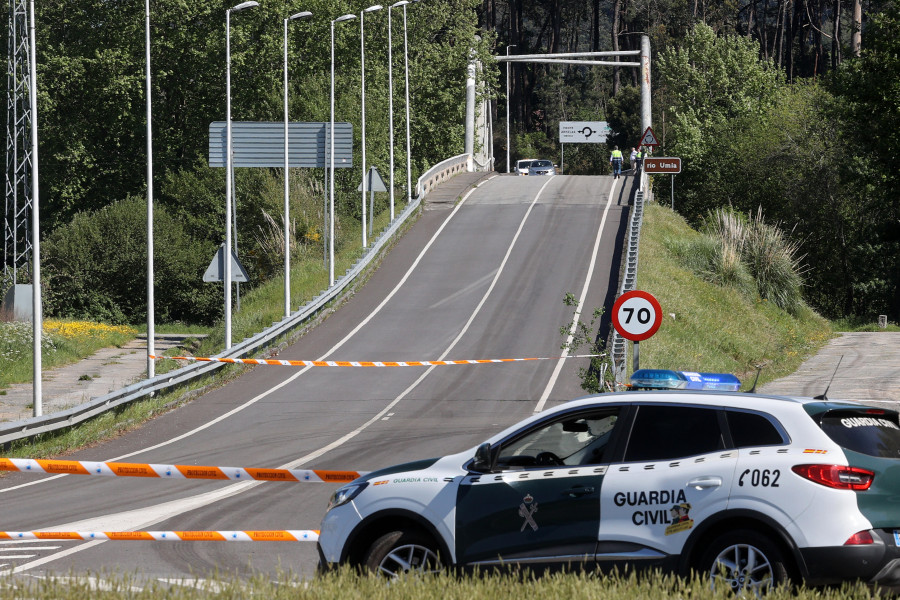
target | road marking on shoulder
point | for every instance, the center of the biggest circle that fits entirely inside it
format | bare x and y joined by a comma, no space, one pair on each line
204,585
584,291
94,583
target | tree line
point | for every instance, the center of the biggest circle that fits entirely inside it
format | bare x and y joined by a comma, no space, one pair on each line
784,107
92,132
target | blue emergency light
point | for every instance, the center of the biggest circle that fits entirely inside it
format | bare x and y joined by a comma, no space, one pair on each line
657,379
664,379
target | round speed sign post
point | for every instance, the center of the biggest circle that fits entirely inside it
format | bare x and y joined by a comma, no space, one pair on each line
636,315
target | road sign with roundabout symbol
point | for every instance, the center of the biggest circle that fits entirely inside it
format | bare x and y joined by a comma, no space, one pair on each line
636,315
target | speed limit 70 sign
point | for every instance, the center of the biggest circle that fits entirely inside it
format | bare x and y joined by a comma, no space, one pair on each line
636,315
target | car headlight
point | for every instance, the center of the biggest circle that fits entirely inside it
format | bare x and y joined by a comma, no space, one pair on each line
346,494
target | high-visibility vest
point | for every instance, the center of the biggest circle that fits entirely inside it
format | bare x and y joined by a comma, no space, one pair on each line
616,155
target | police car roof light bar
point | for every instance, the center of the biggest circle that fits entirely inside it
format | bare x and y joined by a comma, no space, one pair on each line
664,379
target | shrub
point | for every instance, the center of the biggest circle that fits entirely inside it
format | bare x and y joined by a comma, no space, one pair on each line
746,254
714,261
95,268
774,263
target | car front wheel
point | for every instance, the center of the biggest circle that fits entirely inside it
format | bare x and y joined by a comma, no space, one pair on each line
401,552
744,561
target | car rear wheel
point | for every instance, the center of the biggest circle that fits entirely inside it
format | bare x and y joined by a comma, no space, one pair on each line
401,552
745,562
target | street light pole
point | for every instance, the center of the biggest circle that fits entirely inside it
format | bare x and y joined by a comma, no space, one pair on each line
508,163
331,186
287,166
406,68
391,99
362,54
228,182
151,325
36,307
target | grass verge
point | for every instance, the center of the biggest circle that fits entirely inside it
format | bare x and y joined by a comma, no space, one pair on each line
63,342
715,328
348,585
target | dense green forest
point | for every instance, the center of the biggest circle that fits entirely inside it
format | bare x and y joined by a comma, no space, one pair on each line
782,108
788,108
92,130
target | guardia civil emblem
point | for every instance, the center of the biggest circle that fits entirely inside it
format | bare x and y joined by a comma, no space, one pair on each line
527,509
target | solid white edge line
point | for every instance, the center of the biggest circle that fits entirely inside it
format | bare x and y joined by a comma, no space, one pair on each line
584,291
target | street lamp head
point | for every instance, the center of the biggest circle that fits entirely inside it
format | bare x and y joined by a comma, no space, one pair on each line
344,18
401,3
300,15
373,8
244,5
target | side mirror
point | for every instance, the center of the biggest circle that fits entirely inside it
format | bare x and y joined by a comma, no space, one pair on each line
482,462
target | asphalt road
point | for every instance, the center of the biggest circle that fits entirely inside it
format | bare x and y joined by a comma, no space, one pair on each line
483,279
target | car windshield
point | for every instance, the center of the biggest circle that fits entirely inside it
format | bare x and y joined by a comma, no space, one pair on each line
524,164
874,432
542,163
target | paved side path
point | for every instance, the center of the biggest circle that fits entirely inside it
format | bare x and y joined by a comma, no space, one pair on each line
868,372
105,371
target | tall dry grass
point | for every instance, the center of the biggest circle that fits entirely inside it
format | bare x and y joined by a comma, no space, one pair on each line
746,253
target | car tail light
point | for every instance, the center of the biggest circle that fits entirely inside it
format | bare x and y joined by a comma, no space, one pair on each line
861,538
836,476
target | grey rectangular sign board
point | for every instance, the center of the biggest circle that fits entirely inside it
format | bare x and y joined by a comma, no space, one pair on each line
583,132
261,144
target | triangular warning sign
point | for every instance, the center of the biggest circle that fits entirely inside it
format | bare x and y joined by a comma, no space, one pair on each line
216,269
649,138
372,182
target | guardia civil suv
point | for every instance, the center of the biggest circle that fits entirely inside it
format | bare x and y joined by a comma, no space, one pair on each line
752,489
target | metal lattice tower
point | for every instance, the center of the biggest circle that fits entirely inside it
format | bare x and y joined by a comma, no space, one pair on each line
17,236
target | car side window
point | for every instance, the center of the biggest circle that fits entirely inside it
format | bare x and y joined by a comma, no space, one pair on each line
574,440
669,432
751,429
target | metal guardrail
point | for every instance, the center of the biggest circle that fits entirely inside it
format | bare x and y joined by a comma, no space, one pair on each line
628,281
17,430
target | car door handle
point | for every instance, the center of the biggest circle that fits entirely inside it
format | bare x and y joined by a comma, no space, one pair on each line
702,483
578,491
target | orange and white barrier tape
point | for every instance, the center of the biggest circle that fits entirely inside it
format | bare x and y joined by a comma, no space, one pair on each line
283,535
365,363
115,469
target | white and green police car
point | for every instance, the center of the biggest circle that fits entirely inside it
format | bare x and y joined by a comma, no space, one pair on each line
753,489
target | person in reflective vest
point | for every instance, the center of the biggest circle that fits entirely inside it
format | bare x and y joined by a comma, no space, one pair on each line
641,155
615,159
